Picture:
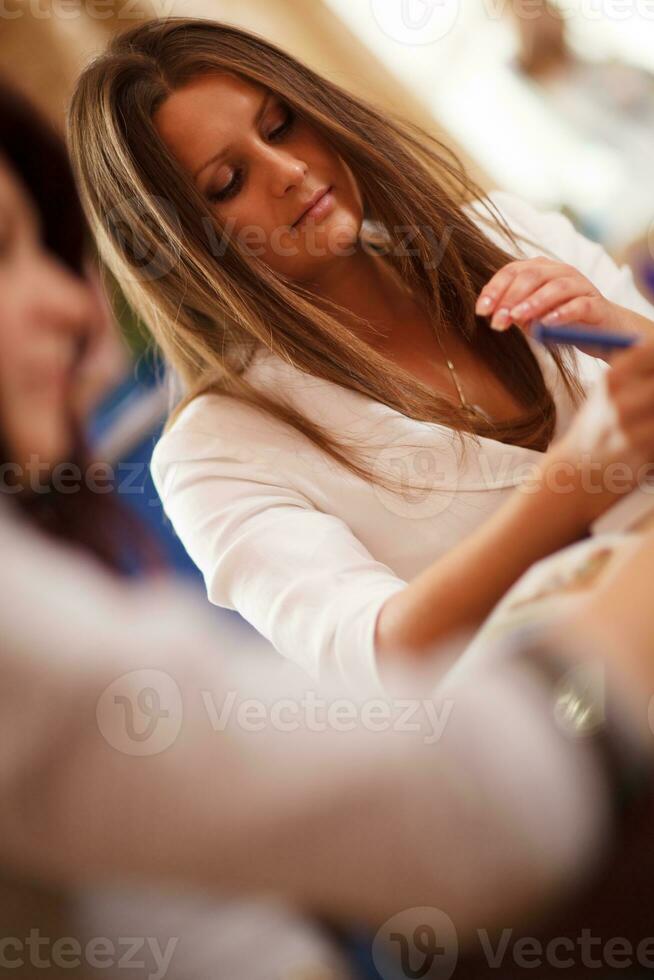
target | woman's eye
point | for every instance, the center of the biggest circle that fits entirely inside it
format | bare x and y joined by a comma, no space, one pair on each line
235,184
285,127
228,191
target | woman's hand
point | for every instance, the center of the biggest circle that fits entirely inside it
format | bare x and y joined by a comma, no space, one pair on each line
553,293
610,442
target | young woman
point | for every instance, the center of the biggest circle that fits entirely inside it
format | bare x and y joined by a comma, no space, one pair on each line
53,321
348,465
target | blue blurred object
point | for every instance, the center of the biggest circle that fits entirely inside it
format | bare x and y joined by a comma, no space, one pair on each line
576,334
123,431
358,947
646,269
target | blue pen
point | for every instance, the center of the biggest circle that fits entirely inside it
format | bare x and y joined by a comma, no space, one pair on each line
578,335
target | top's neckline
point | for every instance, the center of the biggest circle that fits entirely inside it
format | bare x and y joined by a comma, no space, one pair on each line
265,358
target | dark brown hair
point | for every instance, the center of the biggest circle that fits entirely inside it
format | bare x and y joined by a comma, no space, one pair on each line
99,523
210,317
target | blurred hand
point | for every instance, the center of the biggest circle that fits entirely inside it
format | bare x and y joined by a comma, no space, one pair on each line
612,435
615,624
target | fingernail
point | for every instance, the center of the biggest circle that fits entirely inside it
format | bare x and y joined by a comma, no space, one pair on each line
521,309
484,304
501,319
551,318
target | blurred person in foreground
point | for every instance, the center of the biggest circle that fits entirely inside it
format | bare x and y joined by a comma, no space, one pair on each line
123,765
59,353
137,752
61,349
132,788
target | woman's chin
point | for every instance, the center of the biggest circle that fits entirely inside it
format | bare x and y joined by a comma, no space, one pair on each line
37,462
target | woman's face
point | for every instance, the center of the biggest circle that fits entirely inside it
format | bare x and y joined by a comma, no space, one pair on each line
258,165
45,314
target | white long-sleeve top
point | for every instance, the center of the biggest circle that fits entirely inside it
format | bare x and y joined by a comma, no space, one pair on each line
307,552
137,745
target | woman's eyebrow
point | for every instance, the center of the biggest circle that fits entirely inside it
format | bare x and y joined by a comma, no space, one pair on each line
226,149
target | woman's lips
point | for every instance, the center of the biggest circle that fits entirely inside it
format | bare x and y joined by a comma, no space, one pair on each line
320,209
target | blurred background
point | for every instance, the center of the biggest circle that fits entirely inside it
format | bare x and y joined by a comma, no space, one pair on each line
553,101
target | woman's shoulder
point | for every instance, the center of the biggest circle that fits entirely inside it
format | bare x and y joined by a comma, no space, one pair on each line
537,229
193,432
214,424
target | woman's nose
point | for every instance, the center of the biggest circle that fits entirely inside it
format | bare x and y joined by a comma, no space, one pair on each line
288,171
64,300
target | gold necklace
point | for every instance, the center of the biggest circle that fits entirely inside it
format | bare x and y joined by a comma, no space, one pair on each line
465,404
474,409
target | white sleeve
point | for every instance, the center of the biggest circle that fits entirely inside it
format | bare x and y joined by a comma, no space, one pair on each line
297,574
554,232
129,752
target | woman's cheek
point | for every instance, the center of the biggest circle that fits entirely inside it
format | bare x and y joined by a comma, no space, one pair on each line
36,420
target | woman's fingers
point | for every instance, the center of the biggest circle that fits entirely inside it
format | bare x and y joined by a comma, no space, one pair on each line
516,283
503,291
517,292
562,301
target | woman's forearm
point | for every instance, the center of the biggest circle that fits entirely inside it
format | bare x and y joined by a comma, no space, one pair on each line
460,588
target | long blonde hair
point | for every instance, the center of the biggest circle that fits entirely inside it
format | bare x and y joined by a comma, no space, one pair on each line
154,229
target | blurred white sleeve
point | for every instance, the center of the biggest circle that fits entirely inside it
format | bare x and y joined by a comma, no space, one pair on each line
133,746
297,574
